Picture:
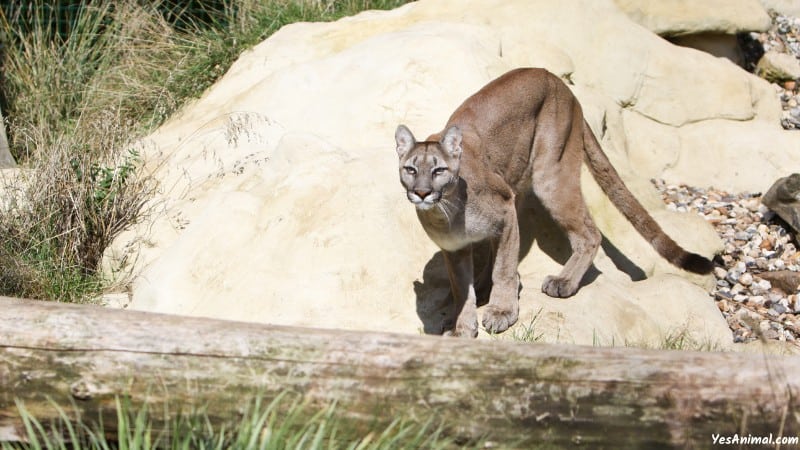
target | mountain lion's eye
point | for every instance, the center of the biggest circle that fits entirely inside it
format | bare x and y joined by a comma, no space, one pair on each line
439,170
410,170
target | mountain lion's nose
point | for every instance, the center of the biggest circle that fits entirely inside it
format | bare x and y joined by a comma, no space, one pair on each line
422,193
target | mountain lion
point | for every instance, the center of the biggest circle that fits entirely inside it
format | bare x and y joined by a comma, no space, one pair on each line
522,131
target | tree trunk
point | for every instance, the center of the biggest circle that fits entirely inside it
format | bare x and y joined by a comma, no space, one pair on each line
511,392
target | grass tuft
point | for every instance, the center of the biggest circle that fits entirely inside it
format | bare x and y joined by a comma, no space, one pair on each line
284,423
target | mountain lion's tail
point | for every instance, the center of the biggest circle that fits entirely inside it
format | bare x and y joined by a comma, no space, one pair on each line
609,180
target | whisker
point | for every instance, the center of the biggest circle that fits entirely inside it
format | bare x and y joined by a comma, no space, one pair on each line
441,204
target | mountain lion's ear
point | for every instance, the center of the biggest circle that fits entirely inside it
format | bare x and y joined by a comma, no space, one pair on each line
404,139
451,142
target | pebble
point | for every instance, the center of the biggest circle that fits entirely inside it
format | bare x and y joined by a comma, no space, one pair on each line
733,277
753,243
746,279
778,309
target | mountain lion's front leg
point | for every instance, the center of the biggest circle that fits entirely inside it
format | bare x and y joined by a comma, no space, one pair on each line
503,308
460,271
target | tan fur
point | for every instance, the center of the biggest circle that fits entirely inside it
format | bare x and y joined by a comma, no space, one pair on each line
523,131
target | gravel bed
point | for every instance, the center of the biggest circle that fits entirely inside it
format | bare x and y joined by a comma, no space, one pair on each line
758,264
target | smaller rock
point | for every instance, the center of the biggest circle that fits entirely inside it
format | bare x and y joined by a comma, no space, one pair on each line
778,309
773,297
723,294
785,280
777,67
746,279
764,284
783,197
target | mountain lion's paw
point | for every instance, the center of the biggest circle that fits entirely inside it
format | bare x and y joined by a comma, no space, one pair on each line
497,320
558,287
463,330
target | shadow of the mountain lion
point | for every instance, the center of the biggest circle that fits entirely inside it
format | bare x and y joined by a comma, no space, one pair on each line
435,306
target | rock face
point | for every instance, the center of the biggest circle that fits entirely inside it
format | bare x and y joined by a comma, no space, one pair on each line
281,200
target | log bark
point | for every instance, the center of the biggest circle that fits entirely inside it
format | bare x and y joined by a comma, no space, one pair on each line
513,393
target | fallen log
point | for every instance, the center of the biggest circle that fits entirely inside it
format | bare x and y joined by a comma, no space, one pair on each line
506,391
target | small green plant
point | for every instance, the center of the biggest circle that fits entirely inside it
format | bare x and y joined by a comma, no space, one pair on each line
527,332
107,182
682,339
523,332
676,339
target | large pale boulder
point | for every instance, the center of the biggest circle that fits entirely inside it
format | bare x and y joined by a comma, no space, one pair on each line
680,17
281,201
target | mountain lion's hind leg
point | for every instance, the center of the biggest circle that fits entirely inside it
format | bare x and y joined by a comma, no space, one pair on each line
584,238
557,184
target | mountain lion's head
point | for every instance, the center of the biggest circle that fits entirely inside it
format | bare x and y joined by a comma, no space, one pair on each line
429,168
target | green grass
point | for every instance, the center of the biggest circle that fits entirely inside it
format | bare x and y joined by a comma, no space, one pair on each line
76,100
285,423
677,339
523,332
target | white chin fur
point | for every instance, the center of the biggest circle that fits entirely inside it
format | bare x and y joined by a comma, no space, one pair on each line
424,206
